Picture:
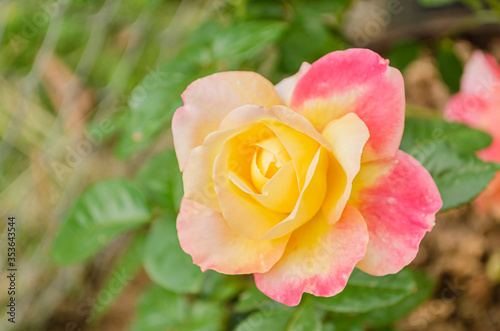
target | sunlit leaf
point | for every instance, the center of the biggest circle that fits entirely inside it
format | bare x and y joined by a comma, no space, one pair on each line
365,292
162,180
103,211
450,66
281,317
165,261
447,151
161,310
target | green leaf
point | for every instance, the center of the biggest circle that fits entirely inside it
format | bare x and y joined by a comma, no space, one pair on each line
365,292
245,40
387,316
436,3
281,317
103,211
161,310
161,180
447,151
340,326
427,131
403,53
165,261
252,299
450,66
307,39
459,185
306,319
153,102
383,318
220,287
123,272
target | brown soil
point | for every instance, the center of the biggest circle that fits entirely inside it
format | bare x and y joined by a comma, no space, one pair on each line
457,252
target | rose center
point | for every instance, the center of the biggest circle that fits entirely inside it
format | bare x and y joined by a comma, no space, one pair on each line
269,157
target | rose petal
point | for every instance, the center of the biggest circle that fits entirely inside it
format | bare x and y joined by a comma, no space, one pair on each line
240,210
468,109
488,202
286,86
301,141
258,179
398,200
318,259
310,200
299,146
358,81
479,113
208,100
267,160
477,103
347,135
481,76
205,235
272,196
198,173
279,115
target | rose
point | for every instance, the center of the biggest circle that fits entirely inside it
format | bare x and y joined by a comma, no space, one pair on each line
301,182
477,105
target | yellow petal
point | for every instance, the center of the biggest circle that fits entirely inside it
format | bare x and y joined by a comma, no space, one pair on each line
243,214
259,180
279,194
198,172
310,199
308,151
274,147
268,159
347,136
205,235
199,168
300,147
318,259
283,115
208,100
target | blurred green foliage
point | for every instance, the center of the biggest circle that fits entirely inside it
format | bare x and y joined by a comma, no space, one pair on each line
119,277
449,65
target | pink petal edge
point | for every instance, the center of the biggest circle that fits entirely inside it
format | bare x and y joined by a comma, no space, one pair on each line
205,235
399,208
358,81
320,262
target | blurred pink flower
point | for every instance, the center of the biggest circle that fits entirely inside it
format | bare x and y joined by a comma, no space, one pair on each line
478,105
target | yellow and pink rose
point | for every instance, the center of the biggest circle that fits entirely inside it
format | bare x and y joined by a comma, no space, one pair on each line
301,182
